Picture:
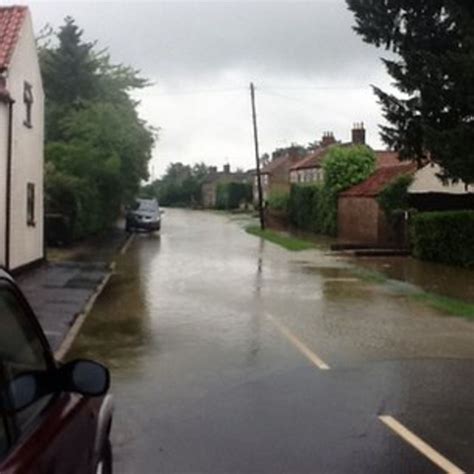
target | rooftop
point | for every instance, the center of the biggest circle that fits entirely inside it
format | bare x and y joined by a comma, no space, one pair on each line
11,21
377,181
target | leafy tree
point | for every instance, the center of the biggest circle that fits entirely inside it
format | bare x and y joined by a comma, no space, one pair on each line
181,184
343,167
432,46
95,141
347,166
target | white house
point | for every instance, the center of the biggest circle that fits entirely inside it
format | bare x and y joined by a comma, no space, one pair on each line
21,142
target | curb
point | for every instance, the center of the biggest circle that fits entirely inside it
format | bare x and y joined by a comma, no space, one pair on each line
127,244
71,335
73,331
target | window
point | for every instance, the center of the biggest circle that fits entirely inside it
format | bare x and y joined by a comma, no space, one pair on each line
30,204
28,100
21,350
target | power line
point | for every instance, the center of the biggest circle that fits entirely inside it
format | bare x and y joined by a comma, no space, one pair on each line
266,89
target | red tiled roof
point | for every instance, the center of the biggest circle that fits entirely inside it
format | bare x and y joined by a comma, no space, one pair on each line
11,21
314,160
374,184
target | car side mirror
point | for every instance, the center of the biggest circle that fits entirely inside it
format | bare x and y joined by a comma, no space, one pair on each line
85,377
80,376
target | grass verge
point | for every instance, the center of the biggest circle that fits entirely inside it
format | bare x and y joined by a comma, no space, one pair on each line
288,242
444,303
370,276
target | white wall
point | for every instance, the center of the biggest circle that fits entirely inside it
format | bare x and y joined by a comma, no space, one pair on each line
3,176
27,161
427,181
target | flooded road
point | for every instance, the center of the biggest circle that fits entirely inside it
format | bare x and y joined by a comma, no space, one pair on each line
230,354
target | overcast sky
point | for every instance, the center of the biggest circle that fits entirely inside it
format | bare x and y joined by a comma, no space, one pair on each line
311,71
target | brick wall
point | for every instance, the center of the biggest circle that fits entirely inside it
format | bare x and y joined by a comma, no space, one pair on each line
362,221
358,220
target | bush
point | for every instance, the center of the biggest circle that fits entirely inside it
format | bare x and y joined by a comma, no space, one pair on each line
279,201
231,195
446,237
303,206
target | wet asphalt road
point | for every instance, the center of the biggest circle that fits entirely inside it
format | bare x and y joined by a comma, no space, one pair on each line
216,341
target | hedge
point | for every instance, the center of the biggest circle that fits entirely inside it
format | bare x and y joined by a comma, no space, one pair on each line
231,195
279,201
313,208
446,237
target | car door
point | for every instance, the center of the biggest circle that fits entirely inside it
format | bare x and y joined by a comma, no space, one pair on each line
56,433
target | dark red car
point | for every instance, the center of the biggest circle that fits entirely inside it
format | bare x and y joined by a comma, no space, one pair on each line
54,419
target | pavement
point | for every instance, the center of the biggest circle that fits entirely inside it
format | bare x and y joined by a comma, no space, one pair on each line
59,294
230,354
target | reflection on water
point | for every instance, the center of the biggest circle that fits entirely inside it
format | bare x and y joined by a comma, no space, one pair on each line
117,331
445,280
183,327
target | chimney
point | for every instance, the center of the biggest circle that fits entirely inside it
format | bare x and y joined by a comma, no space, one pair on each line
227,169
358,134
328,139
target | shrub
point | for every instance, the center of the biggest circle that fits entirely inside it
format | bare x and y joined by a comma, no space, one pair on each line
231,195
303,206
446,237
278,201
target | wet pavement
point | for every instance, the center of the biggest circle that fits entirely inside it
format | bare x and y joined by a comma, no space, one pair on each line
59,292
230,354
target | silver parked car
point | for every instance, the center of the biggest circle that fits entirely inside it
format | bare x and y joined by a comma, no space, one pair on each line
145,215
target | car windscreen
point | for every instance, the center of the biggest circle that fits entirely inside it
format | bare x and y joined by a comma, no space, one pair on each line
147,206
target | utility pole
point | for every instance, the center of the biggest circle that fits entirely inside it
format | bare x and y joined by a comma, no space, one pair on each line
257,159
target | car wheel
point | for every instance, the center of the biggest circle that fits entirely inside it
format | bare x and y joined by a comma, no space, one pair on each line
104,466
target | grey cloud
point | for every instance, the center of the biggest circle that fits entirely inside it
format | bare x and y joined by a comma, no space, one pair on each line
195,40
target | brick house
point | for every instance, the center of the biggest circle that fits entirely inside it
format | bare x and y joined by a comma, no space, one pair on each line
275,176
21,141
361,221
209,187
310,170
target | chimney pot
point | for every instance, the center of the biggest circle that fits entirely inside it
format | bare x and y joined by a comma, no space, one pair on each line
328,139
358,134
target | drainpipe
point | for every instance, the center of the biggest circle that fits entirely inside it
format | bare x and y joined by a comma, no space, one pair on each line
9,184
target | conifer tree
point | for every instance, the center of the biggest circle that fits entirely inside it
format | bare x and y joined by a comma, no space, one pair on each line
431,59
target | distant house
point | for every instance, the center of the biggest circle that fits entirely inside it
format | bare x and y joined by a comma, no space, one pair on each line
209,187
361,221
21,141
310,170
275,176
429,192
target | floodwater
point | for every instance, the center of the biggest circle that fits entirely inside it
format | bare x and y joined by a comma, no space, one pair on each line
217,343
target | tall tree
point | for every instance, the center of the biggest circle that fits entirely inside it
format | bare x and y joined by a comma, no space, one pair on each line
432,64
95,140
